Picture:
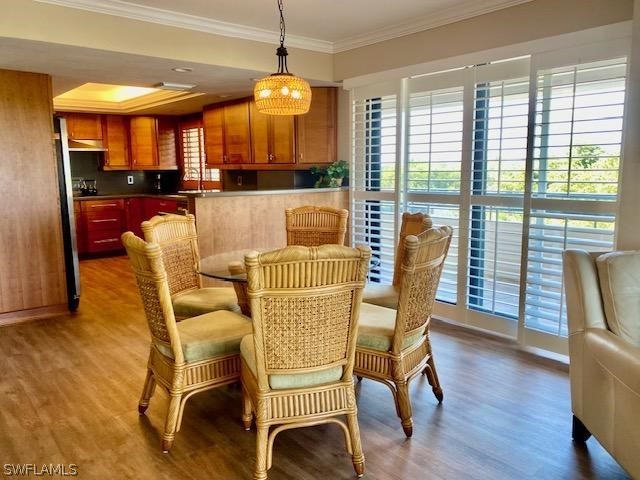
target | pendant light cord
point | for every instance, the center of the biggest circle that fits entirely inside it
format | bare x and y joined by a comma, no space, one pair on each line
281,52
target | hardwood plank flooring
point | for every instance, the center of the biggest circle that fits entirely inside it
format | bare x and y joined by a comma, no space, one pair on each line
69,390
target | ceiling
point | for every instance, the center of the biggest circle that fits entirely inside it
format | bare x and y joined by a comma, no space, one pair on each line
328,25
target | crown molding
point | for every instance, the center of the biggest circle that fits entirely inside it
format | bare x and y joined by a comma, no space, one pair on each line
170,18
442,17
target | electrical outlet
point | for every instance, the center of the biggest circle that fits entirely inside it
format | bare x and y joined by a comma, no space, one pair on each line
129,179
239,180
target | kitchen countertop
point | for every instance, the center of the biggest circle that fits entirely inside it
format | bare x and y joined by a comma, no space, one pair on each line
244,193
131,195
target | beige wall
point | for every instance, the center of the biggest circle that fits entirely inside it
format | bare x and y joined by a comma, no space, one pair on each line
522,23
30,20
629,217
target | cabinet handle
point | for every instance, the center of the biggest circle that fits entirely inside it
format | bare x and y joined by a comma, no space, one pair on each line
106,240
105,220
105,205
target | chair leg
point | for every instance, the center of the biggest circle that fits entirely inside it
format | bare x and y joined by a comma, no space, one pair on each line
579,432
171,422
354,432
432,376
262,439
404,407
147,392
247,410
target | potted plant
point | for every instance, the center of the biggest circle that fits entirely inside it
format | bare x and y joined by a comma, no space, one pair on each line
331,175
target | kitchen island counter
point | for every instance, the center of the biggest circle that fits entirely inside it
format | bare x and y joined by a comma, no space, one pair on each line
232,221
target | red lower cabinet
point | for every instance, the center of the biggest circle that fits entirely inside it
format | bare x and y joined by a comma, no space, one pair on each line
135,215
103,224
154,206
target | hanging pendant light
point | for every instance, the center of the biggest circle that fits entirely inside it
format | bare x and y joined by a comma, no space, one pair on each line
282,93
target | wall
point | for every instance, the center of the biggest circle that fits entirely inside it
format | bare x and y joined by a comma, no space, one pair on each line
87,165
32,281
529,21
30,20
629,224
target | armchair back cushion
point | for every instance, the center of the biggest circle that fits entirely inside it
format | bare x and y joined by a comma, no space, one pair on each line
619,275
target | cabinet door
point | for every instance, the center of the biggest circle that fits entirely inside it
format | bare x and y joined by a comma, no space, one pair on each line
115,131
316,131
144,143
259,135
84,126
281,139
134,215
213,121
237,136
167,153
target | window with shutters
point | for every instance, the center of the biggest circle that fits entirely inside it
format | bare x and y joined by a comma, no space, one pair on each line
523,164
195,174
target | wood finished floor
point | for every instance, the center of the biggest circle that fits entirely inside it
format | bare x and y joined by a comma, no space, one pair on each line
69,389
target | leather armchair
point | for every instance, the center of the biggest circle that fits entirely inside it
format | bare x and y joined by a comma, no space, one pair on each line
603,306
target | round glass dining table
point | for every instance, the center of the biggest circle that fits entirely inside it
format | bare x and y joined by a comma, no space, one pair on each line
229,266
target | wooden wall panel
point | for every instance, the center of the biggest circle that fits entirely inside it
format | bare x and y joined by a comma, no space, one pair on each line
31,257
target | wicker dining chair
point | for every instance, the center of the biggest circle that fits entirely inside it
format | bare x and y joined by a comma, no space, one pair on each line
387,295
393,345
312,226
178,240
185,358
297,367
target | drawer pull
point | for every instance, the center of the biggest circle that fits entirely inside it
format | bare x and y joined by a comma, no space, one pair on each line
106,240
105,205
105,220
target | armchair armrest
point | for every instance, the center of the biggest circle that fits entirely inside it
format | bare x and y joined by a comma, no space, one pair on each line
619,358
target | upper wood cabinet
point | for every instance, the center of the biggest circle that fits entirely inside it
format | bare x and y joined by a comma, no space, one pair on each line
115,134
316,130
272,138
84,126
238,136
153,143
227,133
144,142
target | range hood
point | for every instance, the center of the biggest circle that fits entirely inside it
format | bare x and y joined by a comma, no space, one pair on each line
86,146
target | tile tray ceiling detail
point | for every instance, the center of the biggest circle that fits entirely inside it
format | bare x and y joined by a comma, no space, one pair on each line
460,10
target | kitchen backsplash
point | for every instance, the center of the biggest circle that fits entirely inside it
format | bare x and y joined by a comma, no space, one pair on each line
87,165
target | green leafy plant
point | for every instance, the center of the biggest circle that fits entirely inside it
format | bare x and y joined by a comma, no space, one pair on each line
331,175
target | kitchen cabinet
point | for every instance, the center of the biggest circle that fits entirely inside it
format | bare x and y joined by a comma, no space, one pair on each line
227,134
237,136
316,131
115,133
272,137
154,206
144,142
83,126
134,214
153,143
103,222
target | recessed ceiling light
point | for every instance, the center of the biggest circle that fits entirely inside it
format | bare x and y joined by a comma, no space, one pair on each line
174,86
182,69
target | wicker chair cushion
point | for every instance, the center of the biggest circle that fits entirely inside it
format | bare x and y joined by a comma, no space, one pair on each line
382,295
283,382
377,328
204,300
215,333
